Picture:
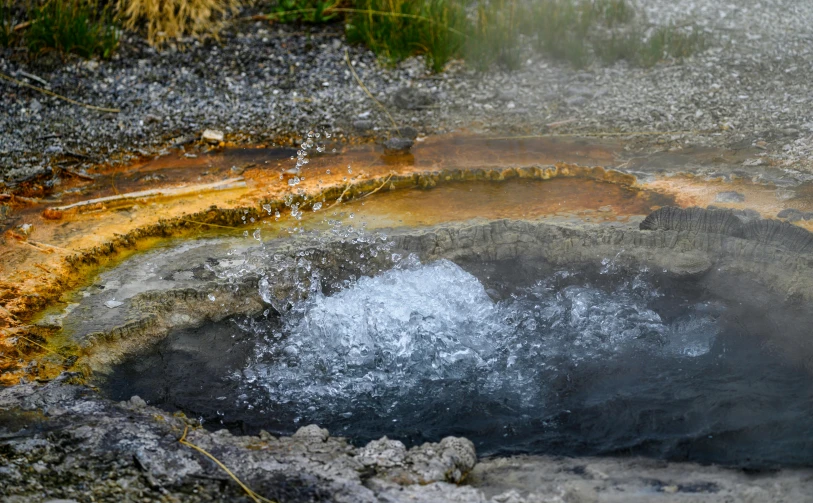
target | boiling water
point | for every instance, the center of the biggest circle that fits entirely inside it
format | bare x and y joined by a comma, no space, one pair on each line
572,363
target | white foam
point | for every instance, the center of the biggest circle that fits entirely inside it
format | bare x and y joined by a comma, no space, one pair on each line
406,333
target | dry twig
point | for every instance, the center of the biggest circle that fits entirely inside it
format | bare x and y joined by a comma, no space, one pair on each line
251,494
231,183
379,188
361,84
55,95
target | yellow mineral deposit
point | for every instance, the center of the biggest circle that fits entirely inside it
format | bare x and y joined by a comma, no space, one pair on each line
127,210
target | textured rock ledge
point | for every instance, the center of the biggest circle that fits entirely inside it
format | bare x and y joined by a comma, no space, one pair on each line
60,441
174,290
64,441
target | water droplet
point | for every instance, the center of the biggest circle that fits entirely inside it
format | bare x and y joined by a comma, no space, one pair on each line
317,206
256,234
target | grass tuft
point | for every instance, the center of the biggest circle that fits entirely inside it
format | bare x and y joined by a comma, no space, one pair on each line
173,19
494,37
670,42
82,27
397,29
308,11
494,32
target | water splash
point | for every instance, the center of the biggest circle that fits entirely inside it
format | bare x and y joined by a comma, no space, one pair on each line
407,337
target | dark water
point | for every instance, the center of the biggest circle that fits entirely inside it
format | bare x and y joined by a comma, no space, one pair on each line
518,357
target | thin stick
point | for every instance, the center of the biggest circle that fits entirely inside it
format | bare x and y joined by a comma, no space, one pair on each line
40,345
55,95
77,174
379,188
28,200
251,494
33,77
231,183
206,223
38,243
22,26
339,199
561,123
46,271
360,83
32,245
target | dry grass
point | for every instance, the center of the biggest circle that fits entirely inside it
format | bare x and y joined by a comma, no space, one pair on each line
173,19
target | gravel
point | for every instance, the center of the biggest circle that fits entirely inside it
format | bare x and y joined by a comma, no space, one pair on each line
271,83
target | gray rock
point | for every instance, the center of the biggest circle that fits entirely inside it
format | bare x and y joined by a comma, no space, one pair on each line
363,125
729,196
397,146
314,432
779,233
794,215
506,95
407,132
137,402
212,136
446,461
79,438
694,220
409,98
745,215
575,101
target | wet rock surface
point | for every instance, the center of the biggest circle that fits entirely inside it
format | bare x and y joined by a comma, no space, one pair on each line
694,220
733,223
536,479
64,441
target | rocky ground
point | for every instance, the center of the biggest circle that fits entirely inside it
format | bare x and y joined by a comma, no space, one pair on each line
62,443
263,83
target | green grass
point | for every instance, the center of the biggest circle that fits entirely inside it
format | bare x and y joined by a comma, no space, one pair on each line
670,42
397,29
82,27
489,33
308,11
493,37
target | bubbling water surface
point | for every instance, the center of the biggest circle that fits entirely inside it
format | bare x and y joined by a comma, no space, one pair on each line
408,337
564,362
